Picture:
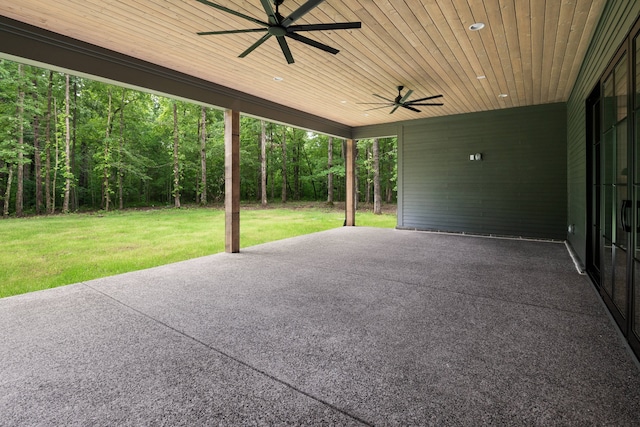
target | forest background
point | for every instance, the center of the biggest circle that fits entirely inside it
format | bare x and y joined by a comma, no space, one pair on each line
71,144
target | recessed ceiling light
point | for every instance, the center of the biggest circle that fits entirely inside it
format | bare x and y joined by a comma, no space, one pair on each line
481,77
278,79
502,95
343,102
477,26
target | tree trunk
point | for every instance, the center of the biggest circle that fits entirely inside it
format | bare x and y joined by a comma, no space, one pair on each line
75,203
376,177
36,152
263,163
203,158
47,172
67,148
176,164
330,174
57,156
284,165
107,154
368,183
356,179
120,156
296,167
20,177
7,192
271,170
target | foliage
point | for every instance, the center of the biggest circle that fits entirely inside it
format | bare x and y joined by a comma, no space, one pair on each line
122,149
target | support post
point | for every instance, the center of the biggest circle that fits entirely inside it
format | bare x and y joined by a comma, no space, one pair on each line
232,180
350,207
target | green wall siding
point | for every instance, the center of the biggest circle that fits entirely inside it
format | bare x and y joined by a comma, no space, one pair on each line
616,21
518,189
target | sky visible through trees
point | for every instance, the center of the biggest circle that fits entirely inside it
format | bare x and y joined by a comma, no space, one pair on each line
73,144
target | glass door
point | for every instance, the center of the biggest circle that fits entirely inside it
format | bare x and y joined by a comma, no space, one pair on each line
616,204
634,336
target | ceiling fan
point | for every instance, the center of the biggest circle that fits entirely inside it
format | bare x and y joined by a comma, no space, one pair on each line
281,27
401,101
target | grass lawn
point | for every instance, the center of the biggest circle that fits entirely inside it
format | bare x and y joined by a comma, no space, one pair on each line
45,252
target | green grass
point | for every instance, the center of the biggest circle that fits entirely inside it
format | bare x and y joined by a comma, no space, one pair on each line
51,251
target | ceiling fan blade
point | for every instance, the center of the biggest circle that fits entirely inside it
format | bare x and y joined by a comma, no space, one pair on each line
301,11
382,97
394,109
266,4
233,12
379,108
321,27
411,103
405,97
285,49
411,108
213,33
425,99
313,43
255,45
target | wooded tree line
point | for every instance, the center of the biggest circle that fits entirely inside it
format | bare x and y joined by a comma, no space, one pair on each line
71,144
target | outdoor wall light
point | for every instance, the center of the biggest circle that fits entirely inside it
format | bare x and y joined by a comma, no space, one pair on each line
477,156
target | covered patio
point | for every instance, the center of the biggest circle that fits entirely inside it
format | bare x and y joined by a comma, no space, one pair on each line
352,326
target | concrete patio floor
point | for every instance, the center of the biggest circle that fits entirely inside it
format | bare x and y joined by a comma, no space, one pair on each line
352,326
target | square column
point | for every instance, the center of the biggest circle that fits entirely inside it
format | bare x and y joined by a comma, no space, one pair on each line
232,181
350,169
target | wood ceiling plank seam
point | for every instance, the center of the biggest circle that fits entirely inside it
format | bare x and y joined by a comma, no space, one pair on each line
423,22
523,17
393,50
386,58
489,46
361,47
463,13
595,11
552,8
510,24
477,46
537,47
445,70
563,30
503,58
414,23
442,37
579,18
472,46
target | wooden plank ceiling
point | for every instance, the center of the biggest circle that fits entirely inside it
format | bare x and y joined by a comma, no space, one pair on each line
529,50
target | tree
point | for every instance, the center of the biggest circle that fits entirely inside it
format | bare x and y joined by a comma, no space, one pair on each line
284,165
49,201
106,174
67,148
20,165
203,156
176,162
263,163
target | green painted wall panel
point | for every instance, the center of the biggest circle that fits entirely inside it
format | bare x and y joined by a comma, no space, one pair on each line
518,189
616,21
